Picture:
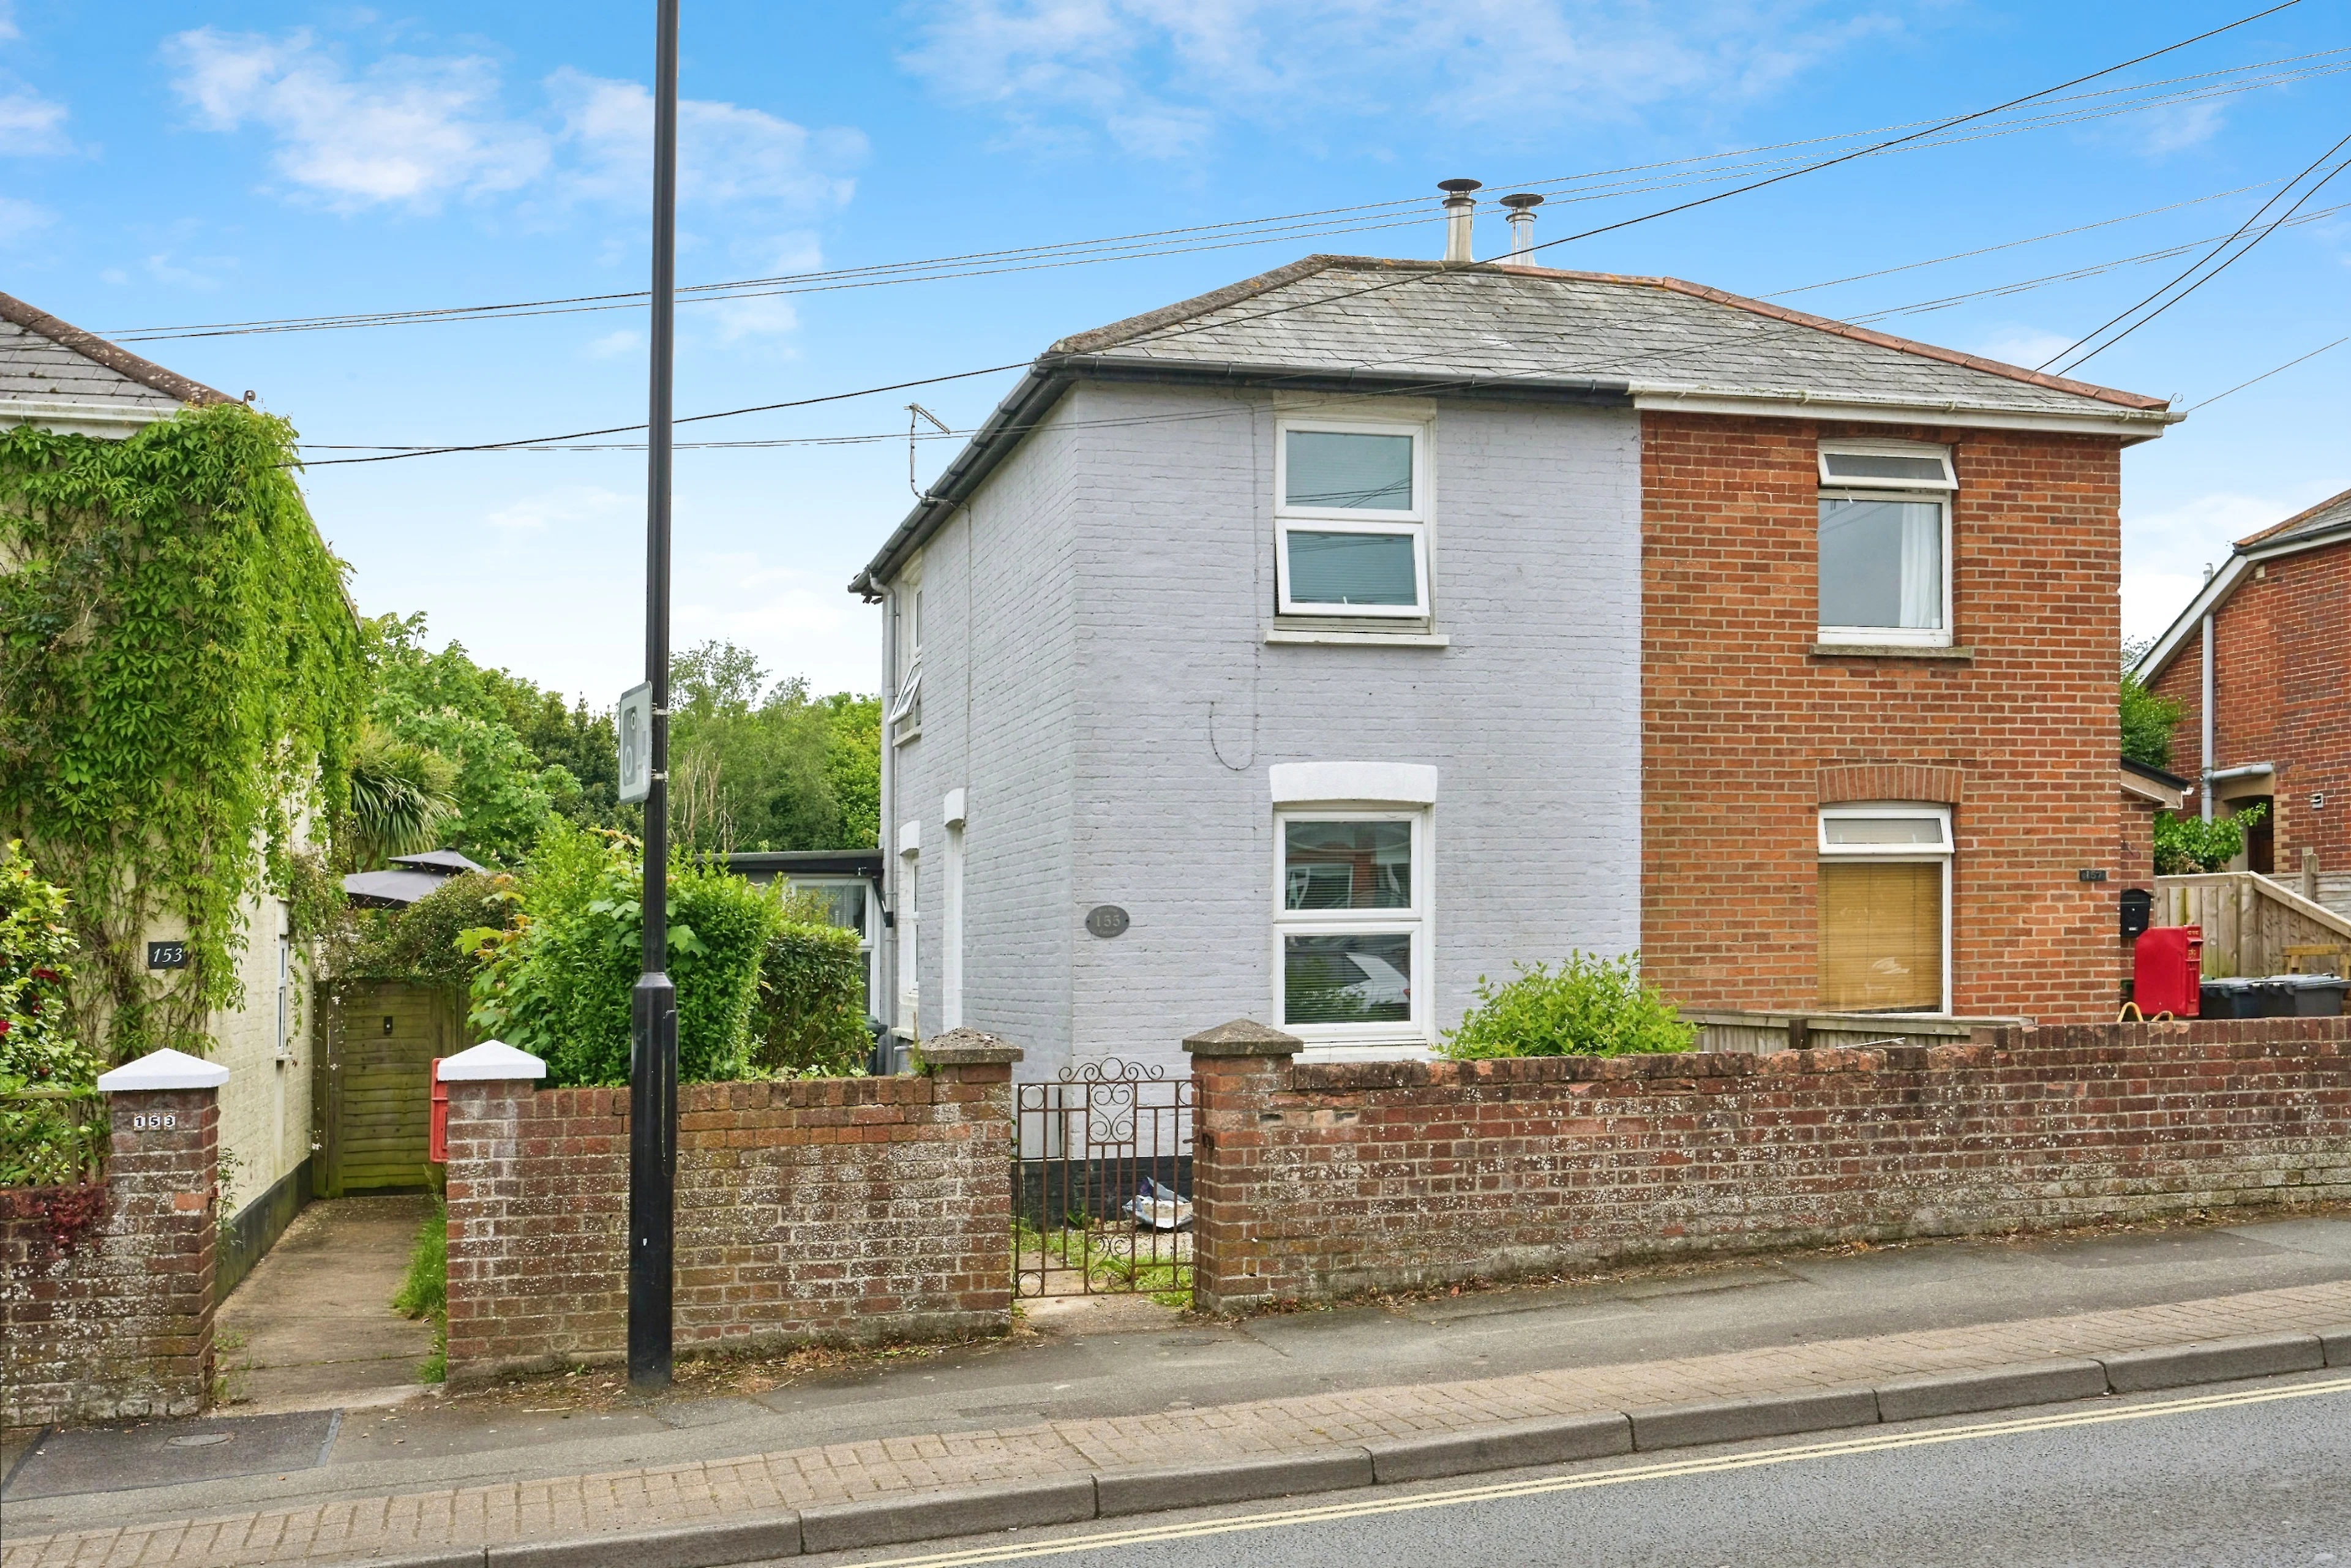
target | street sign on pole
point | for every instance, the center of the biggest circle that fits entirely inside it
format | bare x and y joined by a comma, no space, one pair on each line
652,1013
633,721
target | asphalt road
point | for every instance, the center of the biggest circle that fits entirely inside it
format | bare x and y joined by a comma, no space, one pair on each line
2256,1473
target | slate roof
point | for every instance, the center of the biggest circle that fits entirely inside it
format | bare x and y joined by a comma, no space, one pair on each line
2332,514
1653,335
45,360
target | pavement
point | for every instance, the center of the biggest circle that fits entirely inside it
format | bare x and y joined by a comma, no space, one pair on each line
1115,1388
310,1327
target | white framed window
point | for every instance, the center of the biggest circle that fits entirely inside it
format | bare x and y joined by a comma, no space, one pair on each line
1885,907
1351,928
1885,543
849,904
1351,519
906,716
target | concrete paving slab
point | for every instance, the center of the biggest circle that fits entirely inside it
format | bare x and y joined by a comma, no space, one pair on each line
2335,1344
312,1325
1150,1490
1518,1443
76,1461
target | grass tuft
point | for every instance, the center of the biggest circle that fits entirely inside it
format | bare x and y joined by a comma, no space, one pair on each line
424,1289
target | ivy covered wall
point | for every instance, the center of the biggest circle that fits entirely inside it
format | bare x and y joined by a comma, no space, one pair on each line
180,688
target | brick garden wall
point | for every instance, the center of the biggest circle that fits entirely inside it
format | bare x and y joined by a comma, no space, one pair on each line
826,1209
1746,730
1312,1181
106,1290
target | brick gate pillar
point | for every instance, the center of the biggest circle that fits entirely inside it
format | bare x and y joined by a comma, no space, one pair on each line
491,1325
1238,1068
971,1092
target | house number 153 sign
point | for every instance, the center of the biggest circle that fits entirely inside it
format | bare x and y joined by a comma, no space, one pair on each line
157,1123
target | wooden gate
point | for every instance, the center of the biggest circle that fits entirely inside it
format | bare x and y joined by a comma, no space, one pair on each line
376,1042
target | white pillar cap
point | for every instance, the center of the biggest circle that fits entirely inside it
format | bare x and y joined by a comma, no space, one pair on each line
164,1069
492,1060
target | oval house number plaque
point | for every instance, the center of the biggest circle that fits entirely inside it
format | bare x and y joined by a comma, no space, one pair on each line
1106,920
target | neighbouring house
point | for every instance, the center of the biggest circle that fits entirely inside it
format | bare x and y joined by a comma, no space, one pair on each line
405,879
2257,663
66,380
849,881
1315,648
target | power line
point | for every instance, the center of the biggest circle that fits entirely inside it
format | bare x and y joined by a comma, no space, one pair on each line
2266,375
1375,288
1289,227
2200,282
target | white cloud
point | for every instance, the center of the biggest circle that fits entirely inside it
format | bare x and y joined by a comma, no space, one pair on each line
612,345
405,129
2176,127
727,155
22,220
1158,77
32,125
2025,345
737,595
567,504
2166,552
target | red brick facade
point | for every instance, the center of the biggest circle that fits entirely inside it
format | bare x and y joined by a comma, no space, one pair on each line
2281,644
106,1291
1746,729
1312,1181
826,1209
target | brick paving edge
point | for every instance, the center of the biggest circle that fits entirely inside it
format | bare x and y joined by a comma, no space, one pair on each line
1516,1445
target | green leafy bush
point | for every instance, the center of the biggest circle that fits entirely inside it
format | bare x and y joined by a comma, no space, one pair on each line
809,1020
53,1126
557,982
2186,845
2147,721
1590,1007
421,942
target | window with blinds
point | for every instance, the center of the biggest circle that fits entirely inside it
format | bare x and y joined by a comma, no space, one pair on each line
1881,928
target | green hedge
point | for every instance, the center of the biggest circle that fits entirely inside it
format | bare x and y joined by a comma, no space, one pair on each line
810,1019
559,983
1591,1007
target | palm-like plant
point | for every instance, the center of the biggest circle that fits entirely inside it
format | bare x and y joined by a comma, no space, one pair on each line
399,798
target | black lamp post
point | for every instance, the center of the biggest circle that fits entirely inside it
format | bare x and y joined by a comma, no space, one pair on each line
652,1022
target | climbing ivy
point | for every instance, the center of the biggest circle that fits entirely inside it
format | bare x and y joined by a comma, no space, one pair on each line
179,685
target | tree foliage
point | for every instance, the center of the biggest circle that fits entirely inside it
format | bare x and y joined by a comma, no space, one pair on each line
2147,721
56,1133
754,767
1591,1006
2186,845
557,982
180,691
400,796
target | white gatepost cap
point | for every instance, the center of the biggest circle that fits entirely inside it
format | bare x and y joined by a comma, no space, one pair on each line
491,1061
164,1069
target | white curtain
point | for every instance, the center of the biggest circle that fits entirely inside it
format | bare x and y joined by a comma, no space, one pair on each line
1922,565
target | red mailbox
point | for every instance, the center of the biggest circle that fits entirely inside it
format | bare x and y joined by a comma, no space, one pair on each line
2167,970
436,1146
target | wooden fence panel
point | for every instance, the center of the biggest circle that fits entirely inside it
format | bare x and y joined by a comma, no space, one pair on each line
2249,920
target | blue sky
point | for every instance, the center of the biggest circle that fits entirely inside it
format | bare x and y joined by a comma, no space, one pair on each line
209,163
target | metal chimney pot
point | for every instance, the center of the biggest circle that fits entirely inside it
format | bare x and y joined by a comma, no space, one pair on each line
1460,205
1522,222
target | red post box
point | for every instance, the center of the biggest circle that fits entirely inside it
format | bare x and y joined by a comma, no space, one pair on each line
2168,969
436,1144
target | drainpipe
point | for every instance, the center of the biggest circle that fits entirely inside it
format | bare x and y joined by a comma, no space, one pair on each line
2204,792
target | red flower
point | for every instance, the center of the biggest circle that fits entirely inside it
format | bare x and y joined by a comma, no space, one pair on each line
44,974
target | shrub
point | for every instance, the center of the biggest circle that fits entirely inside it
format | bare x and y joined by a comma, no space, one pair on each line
810,1019
2185,845
558,982
1591,1007
422,942
53,1127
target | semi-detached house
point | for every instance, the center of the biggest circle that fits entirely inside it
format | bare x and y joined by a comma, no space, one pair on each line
1311,649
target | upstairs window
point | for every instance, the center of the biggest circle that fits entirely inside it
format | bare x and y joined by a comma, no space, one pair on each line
1885,544
906,702
1351,519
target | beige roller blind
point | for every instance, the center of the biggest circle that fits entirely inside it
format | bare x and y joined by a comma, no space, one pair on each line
1881,936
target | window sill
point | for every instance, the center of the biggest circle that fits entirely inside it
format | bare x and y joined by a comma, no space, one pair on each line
1892,650
907,739
1407,635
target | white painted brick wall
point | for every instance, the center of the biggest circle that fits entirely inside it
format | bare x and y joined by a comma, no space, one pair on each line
1124,710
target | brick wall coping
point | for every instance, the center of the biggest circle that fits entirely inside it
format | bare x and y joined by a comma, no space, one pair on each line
1243,1037
164,1068
1893,1023
1693,1066
968,1048
492,1061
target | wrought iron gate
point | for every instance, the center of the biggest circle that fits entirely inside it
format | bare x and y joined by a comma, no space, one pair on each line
1101,1182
